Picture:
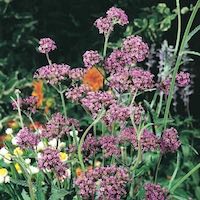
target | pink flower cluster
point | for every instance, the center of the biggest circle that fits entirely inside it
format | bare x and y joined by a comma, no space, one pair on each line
155,192
169,141
27,105
103,183
52,74
27,139
46,45
114,16
50,160
183,79
135,50
58,126
91,58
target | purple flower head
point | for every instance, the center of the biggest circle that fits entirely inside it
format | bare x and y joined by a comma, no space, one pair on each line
27,105
135,49
165,86
169,141
141,79
50,160
149,142
76,73
109,145
117,15
104,25
76,93
46,45
120,80
115,62
58,126
155,192
52,74
128,135
95,101
91,146
26,139
117,113
103,183
91,58
183,79
137,112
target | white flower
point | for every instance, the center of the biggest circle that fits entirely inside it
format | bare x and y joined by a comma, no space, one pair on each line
69,172
28,161
53,142
34,170
9,131
61,145
5,155
74,133
40,146
14,141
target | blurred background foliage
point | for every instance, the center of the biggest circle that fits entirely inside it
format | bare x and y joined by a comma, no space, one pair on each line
70,24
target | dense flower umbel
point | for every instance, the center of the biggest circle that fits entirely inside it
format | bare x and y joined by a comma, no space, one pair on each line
52,73
149,142
76,93
137,111
116,61
95,101
27,105
58,126
91,146
141,79
91,58
169,141
155,192
117,113
109,146
128,135
26,139
117,15
50,161
76,73
104,25
103,183
135,49
183,79
46,45
165,86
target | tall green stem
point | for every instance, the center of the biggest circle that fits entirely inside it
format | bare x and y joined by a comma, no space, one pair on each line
80,156
178,37
105,45
63,101
178,62
184,178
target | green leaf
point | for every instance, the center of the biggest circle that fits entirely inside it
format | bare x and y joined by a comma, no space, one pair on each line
58,194
40,190
165,24
25,195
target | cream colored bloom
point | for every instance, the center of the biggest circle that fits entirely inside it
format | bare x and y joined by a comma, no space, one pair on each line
4,178
18,151
34,170
5,155
28,161
41,146
9,131
63,156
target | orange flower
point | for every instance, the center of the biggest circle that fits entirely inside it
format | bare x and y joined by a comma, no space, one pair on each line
36,125
38,92
93,78
78,171
13,124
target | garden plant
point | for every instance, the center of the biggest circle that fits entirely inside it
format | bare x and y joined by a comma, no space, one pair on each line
109,133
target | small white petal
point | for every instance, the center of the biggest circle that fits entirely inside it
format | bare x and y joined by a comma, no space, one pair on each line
9,131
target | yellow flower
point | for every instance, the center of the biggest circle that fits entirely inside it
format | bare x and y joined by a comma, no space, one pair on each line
18,168
3,172
4,178
63,156
94,78
7,158
18,151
